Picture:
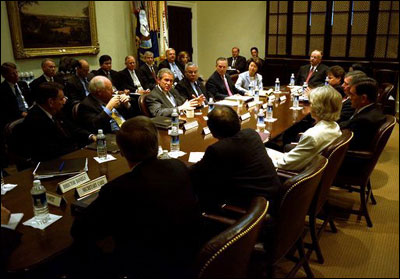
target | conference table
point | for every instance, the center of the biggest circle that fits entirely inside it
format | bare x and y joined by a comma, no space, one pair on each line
40,246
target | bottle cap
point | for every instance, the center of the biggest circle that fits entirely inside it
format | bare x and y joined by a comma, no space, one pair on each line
100,131
36,182
277,79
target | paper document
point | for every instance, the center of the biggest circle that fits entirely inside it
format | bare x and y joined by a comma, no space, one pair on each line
15,218
7,187
40,225
194,157
103,160
273,154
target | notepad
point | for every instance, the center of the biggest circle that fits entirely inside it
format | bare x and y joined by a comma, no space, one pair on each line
60,167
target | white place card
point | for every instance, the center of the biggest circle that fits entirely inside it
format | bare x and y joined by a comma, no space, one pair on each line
55,199
271,98
7,187
282,98
180,132
107,159
205,118
91,186
15,218
251,104
265,106
73,182
190,125
245,116
298,108
206,131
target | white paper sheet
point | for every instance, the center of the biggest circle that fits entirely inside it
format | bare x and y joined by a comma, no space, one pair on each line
107,159
38,225
7,187
176,154
15,218
194,157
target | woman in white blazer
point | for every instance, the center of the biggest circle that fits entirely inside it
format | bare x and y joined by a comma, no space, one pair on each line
326,104
250,77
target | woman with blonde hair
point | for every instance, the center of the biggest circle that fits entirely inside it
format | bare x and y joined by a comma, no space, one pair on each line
326,104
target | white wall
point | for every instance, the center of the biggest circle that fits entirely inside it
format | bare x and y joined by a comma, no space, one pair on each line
114,29
224,24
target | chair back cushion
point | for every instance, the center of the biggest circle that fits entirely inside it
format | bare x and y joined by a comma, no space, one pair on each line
142,105
227,255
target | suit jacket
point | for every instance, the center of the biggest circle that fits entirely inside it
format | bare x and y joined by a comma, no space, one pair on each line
159,105
9,110
46,141
115,77
346,112
240,63
92,116
243,82
165,64
74,88
127,81
317,78
155,220
148,80
235,169
311,143
186,90
216,87
364,126
34,85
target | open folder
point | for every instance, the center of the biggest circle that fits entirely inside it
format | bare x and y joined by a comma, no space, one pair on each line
60,167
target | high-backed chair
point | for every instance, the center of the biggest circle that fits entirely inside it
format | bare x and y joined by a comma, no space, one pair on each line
143,106
296,196
387,104
386,75
358,165
74,112
227,255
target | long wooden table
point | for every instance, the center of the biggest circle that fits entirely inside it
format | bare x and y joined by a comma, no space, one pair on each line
38,246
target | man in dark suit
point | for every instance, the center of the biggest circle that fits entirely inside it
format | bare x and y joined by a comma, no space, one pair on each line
130,78
105,70
151,211
237,63
314,74
163,98
220,85
77,87
50,135
49,75
367,117
101,110
190,87
149,71
169,63
237,167
12,94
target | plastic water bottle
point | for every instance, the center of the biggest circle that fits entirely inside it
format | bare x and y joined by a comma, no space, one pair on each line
270,109
305,85
260,117
292,80
296,100
327,80
251,88
257,93
101,145
277,85
210,104
39,199
174,139
175,118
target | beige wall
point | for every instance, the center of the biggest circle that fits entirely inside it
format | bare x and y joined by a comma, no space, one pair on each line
114,29
224,24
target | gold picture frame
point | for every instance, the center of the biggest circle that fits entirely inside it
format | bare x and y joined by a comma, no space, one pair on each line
35,32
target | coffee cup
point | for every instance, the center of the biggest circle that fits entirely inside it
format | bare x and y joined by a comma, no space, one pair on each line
190,113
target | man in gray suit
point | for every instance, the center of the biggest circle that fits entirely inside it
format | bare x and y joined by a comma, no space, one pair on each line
163,98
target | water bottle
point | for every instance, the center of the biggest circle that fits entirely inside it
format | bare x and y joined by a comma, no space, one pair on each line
175,118
164,155
210,104
277,85
39,199
174,139
101,145
327,80
256,93
270,109
260,117
251,88
292,80
296,100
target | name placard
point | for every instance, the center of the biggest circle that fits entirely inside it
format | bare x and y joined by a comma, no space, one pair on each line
73,182
271,98
245,116
206,131
282,98
265,106
251,104
55,199
190,125
91,186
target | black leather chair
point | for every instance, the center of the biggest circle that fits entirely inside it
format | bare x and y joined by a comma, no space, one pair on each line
357,167
387,98
143,106
227,255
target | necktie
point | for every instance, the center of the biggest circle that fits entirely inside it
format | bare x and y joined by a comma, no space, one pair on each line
227,87
109,76
177,72
233,62
60,129
197,89
153,73
85,86
20,99
52,79
117,117
309,74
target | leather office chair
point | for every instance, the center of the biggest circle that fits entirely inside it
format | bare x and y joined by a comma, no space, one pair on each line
386,75
227,255
74,112
143,106
358,166
296,196
387,105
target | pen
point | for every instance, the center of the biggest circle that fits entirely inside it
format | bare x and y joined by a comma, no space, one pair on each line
61,166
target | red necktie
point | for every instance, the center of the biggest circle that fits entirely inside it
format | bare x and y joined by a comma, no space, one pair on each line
309,75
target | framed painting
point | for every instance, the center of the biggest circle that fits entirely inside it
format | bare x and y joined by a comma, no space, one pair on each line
51,28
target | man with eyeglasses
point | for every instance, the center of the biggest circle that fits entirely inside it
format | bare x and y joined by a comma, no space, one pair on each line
50,134
314,73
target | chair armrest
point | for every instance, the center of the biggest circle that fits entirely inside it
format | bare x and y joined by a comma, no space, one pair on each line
359,154
219,219
233,208
286,173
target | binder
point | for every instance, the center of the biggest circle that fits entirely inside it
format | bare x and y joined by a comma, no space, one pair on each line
60,167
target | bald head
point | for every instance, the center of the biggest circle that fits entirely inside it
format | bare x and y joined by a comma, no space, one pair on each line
82,70
101,88
315,57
